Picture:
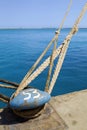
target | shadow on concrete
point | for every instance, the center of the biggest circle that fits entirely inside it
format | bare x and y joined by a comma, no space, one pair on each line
7,117
48,120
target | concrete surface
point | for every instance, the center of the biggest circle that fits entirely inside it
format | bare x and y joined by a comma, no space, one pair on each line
73,109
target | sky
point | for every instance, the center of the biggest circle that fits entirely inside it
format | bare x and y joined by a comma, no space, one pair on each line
39,13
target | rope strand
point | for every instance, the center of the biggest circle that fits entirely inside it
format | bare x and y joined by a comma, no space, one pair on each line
50,67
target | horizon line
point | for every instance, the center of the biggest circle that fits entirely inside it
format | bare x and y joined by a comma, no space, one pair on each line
38,28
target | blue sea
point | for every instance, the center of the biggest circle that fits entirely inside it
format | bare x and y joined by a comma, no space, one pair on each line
20,48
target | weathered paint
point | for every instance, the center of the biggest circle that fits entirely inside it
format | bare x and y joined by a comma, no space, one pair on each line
29,99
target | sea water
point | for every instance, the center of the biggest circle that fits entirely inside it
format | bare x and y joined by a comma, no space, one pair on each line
20,48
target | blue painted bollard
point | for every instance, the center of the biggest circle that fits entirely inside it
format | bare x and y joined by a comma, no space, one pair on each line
29,99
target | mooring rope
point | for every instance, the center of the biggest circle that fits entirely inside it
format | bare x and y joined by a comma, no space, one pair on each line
59,63
43,66
23,83
64,49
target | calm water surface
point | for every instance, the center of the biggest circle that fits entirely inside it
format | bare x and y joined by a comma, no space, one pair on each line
19,49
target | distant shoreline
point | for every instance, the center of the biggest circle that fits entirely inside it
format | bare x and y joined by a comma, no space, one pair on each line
35,28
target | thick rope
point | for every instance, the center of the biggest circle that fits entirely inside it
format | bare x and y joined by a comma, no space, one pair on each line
59,64
58,31
23,83
64,49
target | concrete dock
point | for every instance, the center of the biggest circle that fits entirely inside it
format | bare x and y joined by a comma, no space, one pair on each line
66,112
72,108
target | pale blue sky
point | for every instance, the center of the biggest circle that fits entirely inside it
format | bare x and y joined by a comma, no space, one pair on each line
39,13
